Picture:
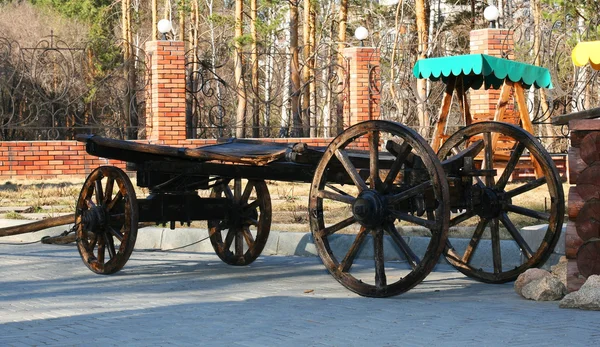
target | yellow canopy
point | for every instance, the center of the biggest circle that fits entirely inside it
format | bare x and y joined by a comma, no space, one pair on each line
586,52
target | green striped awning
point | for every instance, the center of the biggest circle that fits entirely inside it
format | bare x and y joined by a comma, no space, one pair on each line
480,70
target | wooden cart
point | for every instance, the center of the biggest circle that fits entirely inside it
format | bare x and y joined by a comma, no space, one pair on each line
378,181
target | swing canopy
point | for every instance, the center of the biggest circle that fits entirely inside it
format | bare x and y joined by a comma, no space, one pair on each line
587,52
479,70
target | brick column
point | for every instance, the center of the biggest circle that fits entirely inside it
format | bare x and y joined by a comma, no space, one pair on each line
361,104
165,104
497,43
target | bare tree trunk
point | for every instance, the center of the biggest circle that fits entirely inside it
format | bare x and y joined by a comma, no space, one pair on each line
254,57
306,73
536,8
422,14
341,62
239,78
295,67
181,13
130,116
312,61
154,20
285,114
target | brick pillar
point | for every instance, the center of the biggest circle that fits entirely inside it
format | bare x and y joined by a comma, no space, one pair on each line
165,104
361,104
497,43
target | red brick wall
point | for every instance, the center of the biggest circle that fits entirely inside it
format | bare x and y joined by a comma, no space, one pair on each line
364,105
497,43
55,159
165,104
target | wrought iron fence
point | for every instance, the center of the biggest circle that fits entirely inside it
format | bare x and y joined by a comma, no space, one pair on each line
274,108
55,90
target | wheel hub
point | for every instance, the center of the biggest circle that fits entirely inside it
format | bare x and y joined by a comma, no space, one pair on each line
489,203
94,219
369,209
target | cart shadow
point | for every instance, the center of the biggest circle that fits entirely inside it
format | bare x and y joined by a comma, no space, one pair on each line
167,272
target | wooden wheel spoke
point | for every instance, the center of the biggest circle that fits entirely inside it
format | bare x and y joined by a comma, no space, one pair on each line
228,193
474,242
98,191
411,257
252,206
409,193
348,260
488,157
496,253
510,166
248,237
101,249
115,233
247,191
110,243
414,219
337,227
516,235
461,218
239,243
110,182
374,159
528,212
114,201
229,239
526,187
351,170
380,278
94,242
90,204
325,194
237,190
401,156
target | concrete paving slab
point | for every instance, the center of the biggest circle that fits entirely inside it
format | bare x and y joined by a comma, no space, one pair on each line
193,299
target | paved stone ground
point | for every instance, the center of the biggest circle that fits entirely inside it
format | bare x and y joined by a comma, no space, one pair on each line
48,297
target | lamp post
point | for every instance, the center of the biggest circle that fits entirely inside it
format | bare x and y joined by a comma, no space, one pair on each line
491,14
164,26
361,33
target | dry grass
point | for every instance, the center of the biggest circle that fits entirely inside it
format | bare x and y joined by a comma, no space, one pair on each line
289,203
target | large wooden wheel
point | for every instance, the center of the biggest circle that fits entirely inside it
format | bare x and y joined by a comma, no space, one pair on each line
495,207
240,238
394,211
106,217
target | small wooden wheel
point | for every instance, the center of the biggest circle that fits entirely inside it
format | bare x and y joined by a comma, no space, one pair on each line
240,238
107,220
492,201
393,208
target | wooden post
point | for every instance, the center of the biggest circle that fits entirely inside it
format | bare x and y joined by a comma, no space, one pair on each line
443,115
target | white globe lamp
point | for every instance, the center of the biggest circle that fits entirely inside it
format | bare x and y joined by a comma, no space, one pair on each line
164,26
491,14
361,33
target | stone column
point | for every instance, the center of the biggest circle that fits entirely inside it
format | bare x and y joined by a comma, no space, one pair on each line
165,103
497,43
363,102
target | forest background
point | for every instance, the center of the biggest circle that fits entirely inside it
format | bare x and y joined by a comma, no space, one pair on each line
266,68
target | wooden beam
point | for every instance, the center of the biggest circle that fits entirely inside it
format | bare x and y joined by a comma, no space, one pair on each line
526,122
503,100
585,114
443,115
463,102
